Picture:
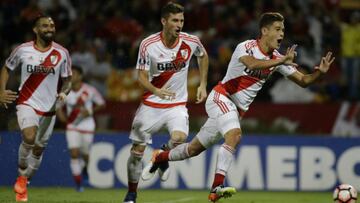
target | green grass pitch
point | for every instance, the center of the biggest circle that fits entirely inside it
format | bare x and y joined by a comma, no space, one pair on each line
68,195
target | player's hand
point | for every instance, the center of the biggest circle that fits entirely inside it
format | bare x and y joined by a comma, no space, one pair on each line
325,63
7,97
288,59
164,93
61,96
201,94
84,113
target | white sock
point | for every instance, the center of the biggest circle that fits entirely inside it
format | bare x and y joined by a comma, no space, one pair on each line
224,159
24,152
34,164
180,152
75,166
134,166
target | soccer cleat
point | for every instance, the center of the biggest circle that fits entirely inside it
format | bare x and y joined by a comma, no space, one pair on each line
79,188
20,185
164,171
150,169
21,197
221,192
130,197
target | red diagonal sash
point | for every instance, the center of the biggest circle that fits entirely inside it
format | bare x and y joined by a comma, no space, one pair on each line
77,108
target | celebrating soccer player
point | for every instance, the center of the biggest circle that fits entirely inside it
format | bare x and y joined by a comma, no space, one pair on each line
252,62
162,65
42,63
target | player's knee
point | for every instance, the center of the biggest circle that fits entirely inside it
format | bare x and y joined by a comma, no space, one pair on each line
29,135
177,138
233,137
195,149
37,151
137,152
74,153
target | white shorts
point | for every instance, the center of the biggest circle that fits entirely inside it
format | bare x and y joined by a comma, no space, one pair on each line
82,141
223,116
27,117
149,120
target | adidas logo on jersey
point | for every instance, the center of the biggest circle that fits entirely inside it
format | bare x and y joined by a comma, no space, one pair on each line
40,69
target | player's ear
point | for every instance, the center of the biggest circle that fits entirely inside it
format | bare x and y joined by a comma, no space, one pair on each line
35,30
163,21
264,30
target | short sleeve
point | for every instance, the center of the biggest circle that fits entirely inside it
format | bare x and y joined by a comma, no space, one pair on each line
286,70
199,48
97,98
66,65
243,49
143,60
13,60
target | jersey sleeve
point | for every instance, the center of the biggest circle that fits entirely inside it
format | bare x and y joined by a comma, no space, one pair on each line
143,61
199,48
66,65
242,50
286,70
13,60
97,98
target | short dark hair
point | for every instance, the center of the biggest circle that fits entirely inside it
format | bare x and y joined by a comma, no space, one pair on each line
38,17
78,69
269,18
171,7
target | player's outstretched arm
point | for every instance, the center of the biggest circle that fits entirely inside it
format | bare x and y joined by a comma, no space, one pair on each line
203,62
6,96
258,64
305,80
163,93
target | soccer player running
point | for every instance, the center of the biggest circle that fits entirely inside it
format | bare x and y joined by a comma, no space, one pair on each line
42,62
162,65
81,104
252,62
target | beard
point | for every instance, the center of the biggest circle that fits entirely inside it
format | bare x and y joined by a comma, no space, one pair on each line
47,37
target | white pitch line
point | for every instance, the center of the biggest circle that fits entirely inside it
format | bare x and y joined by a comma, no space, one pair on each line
175,201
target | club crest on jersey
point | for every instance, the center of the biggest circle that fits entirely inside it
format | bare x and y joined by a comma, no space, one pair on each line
184,53
54,59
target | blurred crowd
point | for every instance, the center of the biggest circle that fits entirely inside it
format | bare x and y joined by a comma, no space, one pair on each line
103,37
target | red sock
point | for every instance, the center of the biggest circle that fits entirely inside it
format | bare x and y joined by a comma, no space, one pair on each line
162,157
132,187
77,179
218,180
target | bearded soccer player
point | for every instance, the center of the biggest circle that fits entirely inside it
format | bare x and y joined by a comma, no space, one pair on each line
42,62
80,105
252,62
163,63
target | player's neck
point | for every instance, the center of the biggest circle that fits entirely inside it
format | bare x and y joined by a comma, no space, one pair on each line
76,86
168,40
264,47
42,45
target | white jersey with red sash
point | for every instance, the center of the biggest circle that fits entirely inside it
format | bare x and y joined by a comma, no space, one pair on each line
168,67
240,83
76,101
40,74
